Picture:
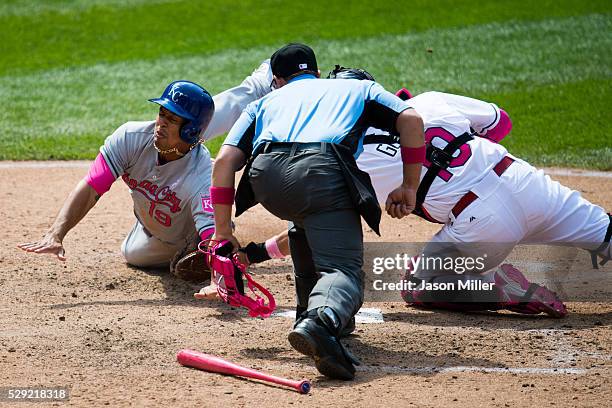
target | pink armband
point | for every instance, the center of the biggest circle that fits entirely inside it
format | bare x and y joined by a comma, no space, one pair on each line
207,234
411,155
501,130
222,195
272,249
100,177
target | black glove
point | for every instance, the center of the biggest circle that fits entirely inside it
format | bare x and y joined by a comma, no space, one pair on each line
256,252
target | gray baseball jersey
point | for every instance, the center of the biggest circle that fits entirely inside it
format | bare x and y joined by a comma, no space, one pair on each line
170,200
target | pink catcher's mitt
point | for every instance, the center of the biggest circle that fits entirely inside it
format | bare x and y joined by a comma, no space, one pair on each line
228,273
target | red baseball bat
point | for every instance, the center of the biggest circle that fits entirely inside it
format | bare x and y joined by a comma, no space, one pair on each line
206,362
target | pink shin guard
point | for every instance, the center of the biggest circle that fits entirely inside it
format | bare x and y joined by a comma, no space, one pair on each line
519,295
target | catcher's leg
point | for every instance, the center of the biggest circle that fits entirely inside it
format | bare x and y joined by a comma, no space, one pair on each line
519,295
491,226
562,216
512,291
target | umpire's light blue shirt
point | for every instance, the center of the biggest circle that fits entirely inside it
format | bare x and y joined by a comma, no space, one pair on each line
309,109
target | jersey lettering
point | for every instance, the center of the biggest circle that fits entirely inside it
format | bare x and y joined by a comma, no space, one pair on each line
207,205
388,149
158,196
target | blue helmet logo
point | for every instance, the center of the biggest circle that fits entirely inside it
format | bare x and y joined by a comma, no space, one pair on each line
191,102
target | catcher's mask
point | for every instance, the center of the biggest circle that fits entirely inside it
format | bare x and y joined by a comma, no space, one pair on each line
340,72
189,101
227,273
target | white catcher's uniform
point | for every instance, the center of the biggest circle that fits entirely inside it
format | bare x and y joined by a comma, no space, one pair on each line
523,205
171,201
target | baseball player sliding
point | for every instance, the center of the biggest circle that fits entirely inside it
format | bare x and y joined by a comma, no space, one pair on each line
481,194
168,174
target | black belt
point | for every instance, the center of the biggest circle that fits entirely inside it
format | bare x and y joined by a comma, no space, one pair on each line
290,147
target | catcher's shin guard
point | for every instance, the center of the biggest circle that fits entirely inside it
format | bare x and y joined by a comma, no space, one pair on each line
521,296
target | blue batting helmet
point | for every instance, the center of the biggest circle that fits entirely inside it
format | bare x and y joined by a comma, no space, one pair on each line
189,101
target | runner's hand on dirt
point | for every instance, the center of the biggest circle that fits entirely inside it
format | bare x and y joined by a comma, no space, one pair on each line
48,244
207,292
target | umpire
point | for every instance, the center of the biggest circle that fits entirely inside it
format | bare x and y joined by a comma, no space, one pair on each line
299,144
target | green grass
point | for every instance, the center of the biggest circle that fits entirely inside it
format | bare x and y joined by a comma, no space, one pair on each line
558,134
74,70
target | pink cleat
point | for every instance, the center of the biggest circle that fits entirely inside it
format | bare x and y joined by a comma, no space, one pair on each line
521,296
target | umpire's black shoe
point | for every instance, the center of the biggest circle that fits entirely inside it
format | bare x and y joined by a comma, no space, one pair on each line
348,329
300,313
311,337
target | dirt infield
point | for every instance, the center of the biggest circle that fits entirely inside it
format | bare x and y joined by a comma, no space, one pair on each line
110,332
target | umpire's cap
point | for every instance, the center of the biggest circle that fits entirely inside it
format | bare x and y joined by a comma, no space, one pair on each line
293,59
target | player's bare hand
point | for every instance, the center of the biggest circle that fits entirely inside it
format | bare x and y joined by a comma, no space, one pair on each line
401,202
207,292
48,244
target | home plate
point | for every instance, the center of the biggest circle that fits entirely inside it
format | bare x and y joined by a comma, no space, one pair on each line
364,315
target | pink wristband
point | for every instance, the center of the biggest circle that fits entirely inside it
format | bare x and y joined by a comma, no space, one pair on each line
222,195
272,249
207,234
411,155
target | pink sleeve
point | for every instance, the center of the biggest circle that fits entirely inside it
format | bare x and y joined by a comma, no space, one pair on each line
501,130
100,177
207,234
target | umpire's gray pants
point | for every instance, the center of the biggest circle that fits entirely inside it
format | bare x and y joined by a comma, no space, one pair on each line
326,240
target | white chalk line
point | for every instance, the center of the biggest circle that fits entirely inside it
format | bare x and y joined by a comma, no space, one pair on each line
557,171
472,369
54,164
